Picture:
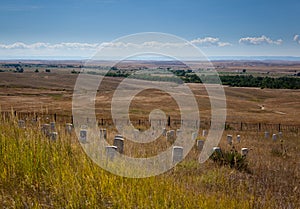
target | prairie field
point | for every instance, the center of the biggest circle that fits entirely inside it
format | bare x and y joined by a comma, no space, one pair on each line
37,172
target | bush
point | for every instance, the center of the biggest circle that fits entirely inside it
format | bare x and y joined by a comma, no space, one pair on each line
231,158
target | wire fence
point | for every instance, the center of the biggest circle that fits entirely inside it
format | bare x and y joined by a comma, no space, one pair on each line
171,122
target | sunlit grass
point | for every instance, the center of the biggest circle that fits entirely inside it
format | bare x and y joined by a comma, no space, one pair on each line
38,173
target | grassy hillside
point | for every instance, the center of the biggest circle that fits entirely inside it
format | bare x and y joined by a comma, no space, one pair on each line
38,173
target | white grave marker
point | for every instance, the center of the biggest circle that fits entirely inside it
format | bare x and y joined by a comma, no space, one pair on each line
204,132
238,138
83,136
244,151
267,135
69,127
119,143
103,134
274,137
177,154
200,144
110,152
217,150
229,139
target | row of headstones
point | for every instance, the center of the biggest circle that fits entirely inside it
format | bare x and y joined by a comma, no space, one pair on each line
83,134
274,136
244,150
118,146
230,139
170,135
49,129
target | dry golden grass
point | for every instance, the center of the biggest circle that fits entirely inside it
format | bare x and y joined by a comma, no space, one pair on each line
53,91
39,173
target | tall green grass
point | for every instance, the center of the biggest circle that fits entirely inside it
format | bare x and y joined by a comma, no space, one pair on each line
38,173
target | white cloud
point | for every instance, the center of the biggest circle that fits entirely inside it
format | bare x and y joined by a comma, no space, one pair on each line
259,40
41,45
297,38
81,46
221,44
209,41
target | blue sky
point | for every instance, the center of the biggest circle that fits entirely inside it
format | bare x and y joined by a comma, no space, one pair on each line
218,28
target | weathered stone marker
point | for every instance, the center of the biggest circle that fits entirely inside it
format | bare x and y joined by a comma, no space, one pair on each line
217,150
244,151
171,136
164,132
53,136
103,134
229,139
52,126
177,154
83,136
238,138
119,143
267,134
200,144
69,127
46,129
110,152
21,124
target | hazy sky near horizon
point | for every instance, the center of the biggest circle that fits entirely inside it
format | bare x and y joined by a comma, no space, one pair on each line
218,28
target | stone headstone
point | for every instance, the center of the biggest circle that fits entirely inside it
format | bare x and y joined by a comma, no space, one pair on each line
21,124
238,138
53,136
217,150
119,135
164,132
204,132
119,143
103,134
83,136
178,132
171,136
267,134
69,127
110,152
244,151
229,139
280,134
46,129
274,137
177,154
200,144
52,126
